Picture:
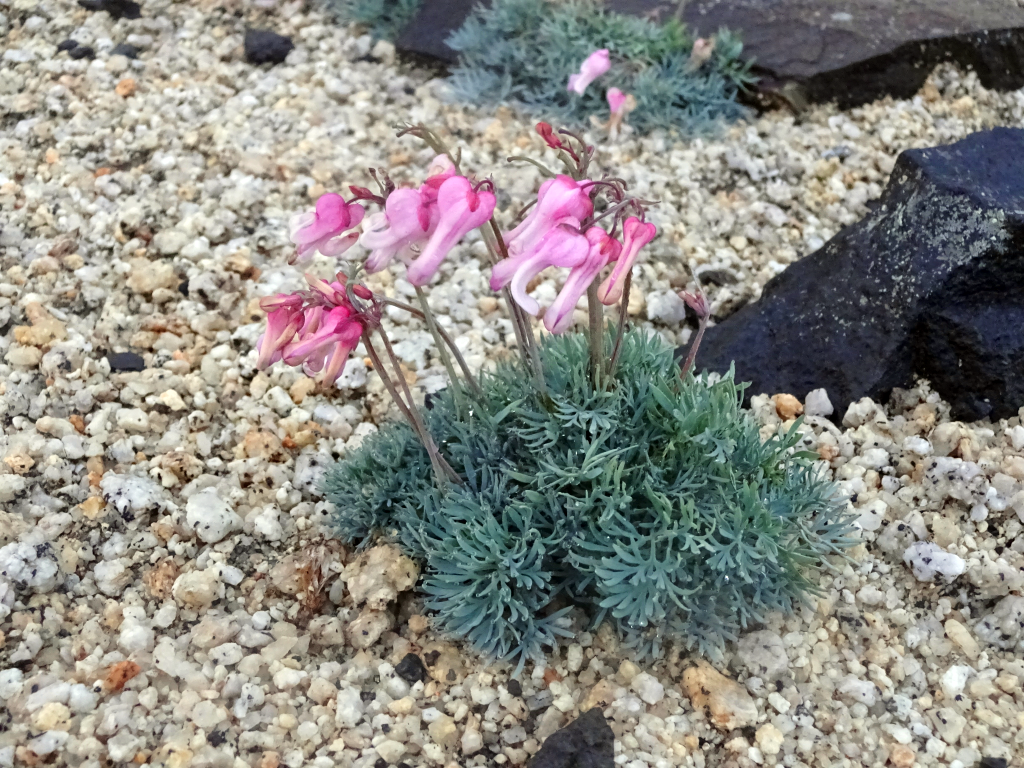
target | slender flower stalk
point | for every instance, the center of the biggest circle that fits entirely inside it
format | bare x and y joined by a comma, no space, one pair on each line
442,350
698,302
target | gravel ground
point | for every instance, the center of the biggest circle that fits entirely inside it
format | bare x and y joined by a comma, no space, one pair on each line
166,596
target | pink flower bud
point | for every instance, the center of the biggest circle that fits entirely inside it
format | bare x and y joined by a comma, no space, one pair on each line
635,235
616,100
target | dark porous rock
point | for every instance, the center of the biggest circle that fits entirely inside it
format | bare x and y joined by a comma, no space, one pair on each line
927,285
125,361
411,669
125,49
587,742
82,52
861,50
118,9
434,21
265,47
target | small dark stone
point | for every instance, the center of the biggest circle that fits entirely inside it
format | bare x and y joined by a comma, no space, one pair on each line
411,669
124,49
993,762
716,277
515,688
265,47
183,287
67,45
367,696
118,9
381,763
82,52
927,285
126,361
587,742
217,738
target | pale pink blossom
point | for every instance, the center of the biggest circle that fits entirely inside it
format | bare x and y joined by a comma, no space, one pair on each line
461,209
406,221
561,246
321,230
595,65
603,250
635,235
702,50
561,200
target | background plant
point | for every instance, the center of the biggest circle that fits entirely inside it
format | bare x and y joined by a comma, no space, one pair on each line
651,501
524,50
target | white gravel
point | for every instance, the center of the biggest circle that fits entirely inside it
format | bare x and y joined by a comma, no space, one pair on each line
158,528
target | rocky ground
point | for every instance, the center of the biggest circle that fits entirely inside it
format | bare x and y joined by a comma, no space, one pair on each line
166,596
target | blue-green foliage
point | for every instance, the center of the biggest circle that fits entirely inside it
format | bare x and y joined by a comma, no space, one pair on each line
384,18
654,503
525,50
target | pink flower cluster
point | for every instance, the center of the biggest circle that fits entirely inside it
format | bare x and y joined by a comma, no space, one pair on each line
554,234
317,329
421,226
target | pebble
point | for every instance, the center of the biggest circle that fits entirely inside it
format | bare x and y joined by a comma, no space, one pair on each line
211,517
728,703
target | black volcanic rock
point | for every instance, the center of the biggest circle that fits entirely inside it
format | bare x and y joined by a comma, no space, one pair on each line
929,284
587,742
265,47
118,9
126,361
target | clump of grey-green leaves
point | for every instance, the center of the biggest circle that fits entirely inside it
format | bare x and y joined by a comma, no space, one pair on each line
523,51
593,479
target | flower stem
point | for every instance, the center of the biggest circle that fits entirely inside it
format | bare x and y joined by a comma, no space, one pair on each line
466,372
596,312
621,330
409,411
692,357
442,350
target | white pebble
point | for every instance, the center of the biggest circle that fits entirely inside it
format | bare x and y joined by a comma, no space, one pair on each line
929,560
210,516
648,688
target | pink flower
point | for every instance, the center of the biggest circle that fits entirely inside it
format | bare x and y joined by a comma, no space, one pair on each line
560,200
561,246
284,318
635,235
461,209
320,230
405,221
616,100
325,342
317,328
595,65
603,250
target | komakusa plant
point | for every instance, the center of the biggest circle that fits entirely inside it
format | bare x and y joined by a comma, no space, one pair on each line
590,477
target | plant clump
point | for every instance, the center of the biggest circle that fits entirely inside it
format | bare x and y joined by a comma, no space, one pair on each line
590,471
652,502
